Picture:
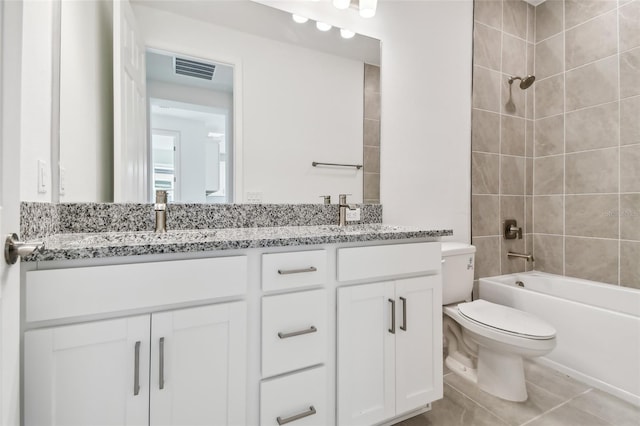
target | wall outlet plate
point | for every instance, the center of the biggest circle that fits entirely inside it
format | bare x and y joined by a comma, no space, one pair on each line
63,180
353,215
43,177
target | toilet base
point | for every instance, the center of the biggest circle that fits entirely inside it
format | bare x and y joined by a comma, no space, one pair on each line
461,370
501,374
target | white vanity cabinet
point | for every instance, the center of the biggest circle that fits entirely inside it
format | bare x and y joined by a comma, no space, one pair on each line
389,334
346,334
99,372
295,334
86,374
198,366
173,367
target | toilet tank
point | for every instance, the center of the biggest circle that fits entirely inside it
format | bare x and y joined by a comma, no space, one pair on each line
457,272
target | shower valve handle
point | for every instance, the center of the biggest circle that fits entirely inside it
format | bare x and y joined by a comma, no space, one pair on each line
511,230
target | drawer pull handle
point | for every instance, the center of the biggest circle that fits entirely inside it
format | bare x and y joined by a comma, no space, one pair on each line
392,330
309,330
403,327
161,362
136,369
297,271
286,420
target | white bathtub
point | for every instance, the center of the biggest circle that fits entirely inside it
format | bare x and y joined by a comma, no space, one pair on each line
598,326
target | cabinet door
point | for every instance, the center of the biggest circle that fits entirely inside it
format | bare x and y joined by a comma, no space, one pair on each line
419,333
88,374
366,354
198,366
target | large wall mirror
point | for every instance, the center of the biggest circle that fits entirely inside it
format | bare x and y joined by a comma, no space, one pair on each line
215,102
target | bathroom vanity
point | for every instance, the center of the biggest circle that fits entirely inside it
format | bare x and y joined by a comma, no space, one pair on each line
313,325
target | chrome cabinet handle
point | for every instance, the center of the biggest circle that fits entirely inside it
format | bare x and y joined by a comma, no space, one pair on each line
297,271
403,327
293,418
392,330
161,373
136,370
311,329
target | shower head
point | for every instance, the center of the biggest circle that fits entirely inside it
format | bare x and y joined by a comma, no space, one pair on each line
525,83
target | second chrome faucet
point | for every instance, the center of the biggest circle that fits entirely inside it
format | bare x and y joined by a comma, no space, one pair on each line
161,211
343,206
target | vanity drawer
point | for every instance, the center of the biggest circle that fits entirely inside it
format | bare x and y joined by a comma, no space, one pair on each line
294,331
66,293
301,396
359,263
283,271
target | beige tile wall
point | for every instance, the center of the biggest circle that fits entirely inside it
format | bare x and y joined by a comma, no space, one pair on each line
566,162
502,139
371,130
586,202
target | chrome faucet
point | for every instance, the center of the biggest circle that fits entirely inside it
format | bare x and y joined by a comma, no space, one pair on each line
528,257
343,206
161,210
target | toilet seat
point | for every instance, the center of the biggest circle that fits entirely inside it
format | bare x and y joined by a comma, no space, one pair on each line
506,320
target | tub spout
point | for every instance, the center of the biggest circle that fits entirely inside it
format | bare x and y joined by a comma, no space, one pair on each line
529,257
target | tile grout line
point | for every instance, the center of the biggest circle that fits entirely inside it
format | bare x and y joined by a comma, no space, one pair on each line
578,152
619,152
516,116
533,148
500,171
478,403
527,113
617,8
556,407
564,141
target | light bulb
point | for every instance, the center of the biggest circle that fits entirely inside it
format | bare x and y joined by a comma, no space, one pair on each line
346,33
299,19
368,8
341,4
323,26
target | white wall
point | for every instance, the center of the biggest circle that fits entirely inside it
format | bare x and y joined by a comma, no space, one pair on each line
86,100
36,97
298,106
426,114
426,106
189,95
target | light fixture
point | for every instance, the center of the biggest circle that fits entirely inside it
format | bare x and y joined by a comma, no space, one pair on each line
323,26
341,4
368,8
346,33
299,19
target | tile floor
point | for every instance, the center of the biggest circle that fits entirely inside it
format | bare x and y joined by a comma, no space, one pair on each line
554,400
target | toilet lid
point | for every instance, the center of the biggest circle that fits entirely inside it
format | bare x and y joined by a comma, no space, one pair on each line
507,319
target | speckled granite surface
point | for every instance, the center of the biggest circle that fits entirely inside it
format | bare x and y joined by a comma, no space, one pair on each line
95,230
39,220
112,244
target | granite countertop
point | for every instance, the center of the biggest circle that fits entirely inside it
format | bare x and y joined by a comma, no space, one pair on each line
113,244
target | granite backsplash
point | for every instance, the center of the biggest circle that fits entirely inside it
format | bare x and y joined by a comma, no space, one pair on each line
38,220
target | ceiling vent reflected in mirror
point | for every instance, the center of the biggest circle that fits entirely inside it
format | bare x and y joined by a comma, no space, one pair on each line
194,69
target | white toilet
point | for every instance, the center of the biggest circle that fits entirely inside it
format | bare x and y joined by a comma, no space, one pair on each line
486,341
